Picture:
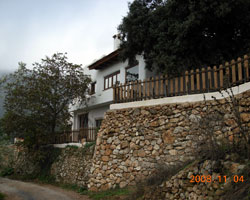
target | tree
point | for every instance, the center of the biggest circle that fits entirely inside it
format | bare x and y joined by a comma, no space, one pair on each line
174,35
37,101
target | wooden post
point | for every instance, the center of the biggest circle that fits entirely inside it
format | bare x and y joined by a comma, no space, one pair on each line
198,79
246,67
209,77
121,92
161,86
171,86
152,92
181,85
221,76
157,87
136,90
139,89
233,72
239,70
132,87
176,86
144,89
215,78
186,81
125,92
192,80
148,88
203,77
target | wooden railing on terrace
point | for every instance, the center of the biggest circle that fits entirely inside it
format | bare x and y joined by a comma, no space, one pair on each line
191,82
76,136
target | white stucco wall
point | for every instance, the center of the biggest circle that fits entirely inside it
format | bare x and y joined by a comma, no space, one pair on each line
102,96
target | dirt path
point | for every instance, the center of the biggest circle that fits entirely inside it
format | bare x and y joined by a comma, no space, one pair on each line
17,190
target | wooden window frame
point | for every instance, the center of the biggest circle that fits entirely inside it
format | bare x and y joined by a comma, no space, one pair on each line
110,85
92,88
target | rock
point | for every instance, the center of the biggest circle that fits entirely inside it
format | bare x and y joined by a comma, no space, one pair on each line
108,152
124,144
173,152
123,184
154,124
144,112
156,147
194,118
105,158
178,129
141,153
245,117
167,137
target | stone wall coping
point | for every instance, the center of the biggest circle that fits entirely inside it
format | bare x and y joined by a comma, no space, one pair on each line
181,99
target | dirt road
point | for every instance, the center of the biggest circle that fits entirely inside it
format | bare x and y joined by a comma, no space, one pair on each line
18,190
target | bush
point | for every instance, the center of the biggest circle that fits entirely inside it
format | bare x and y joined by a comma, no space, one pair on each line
8,171
2,196
221,119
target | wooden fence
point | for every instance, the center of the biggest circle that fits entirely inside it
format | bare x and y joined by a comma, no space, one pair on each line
202,80
76,136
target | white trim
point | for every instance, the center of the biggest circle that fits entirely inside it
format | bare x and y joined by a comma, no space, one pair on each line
181,99
67,144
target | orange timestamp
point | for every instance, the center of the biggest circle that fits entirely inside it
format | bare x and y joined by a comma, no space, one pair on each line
210,179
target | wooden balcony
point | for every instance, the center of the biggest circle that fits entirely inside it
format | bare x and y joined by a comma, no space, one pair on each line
76,136
202,80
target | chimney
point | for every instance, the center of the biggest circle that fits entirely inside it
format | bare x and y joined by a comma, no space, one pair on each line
117,41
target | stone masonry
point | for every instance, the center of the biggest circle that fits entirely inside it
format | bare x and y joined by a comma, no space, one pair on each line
132,142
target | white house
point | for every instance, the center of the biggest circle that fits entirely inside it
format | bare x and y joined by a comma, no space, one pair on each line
106,72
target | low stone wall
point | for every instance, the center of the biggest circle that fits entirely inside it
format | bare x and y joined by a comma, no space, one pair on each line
198,181
73,165
133,141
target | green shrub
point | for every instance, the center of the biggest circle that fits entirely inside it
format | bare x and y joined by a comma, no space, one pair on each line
8,171
72,146
2,196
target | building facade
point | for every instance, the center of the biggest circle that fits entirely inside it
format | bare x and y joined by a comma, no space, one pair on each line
105,73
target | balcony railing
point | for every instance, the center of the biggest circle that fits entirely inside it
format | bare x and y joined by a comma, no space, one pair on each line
202,80
76,136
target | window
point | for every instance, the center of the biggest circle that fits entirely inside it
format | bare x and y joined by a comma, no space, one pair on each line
132,73
92,88
83,121
98,122
111,80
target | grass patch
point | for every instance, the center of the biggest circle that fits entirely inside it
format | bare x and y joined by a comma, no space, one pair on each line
109,194
73,187
2,196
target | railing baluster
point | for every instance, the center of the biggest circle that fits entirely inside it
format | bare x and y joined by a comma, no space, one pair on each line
215,78
192,80
197,80
148,88
186,82
246,66
239,70
209,76
157,87
140,94
221,76
233,72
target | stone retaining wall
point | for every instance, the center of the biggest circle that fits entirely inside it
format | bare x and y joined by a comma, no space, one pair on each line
132,142
73,165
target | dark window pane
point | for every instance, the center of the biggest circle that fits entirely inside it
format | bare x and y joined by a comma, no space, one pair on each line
132,74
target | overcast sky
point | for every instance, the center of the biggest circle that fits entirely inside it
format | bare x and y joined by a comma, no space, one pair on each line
32,29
